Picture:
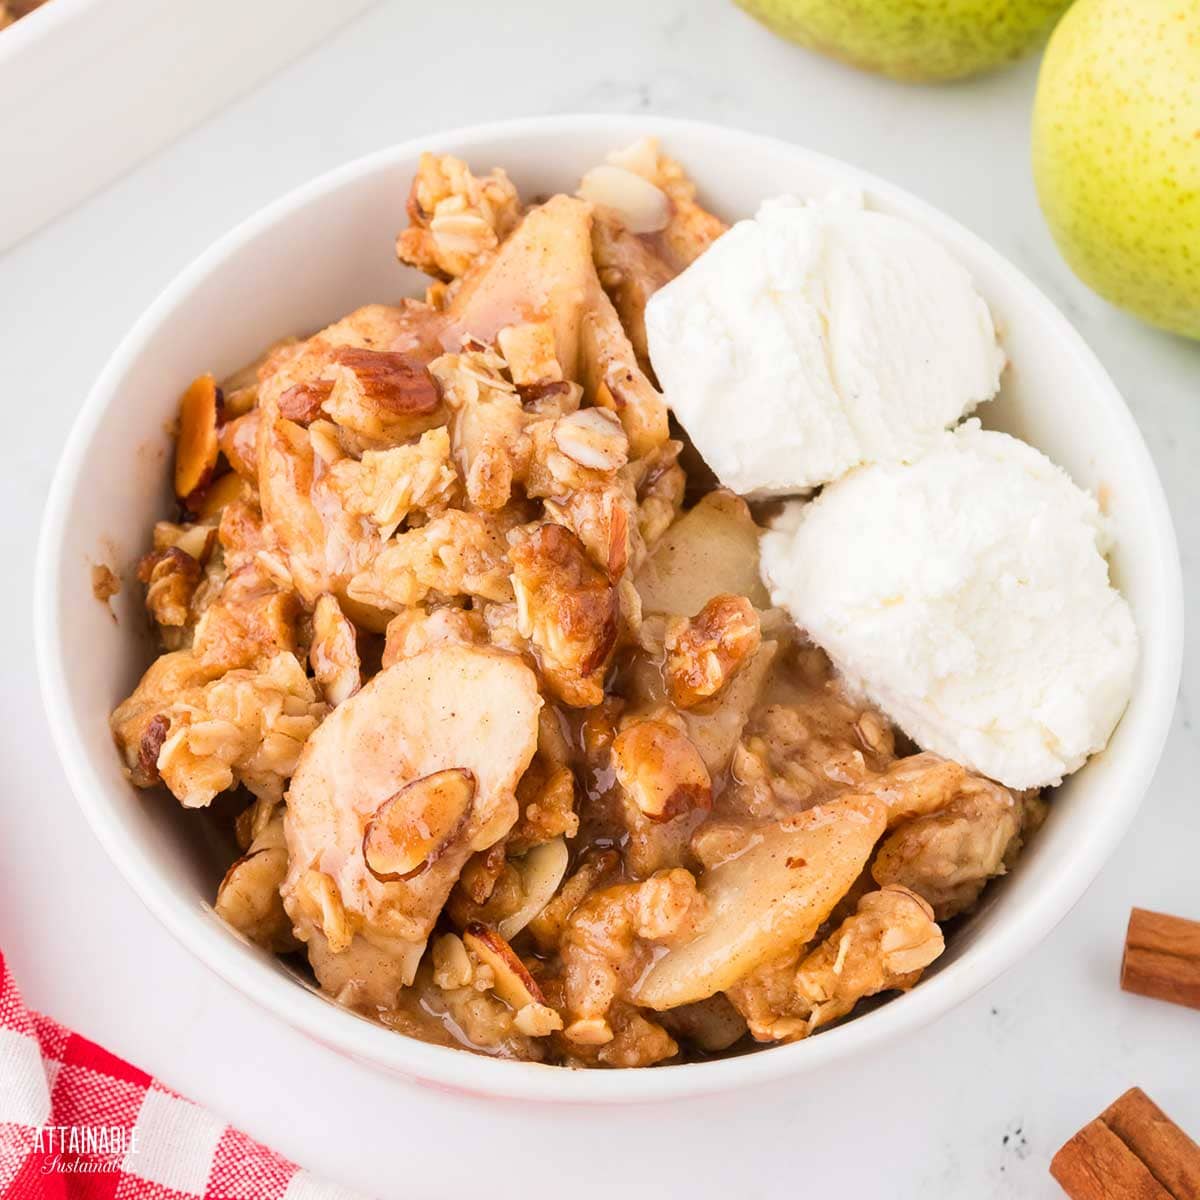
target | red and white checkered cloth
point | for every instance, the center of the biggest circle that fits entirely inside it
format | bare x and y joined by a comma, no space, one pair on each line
78,1123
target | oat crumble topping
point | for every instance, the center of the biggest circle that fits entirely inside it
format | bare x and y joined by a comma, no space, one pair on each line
527,763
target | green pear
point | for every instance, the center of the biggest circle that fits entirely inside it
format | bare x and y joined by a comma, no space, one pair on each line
1116,153
915,40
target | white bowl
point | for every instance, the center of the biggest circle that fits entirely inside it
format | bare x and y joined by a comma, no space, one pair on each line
327,248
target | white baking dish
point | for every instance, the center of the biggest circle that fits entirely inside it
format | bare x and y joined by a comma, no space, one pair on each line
88,88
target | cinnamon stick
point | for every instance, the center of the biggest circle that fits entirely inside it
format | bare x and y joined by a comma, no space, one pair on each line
1096,1165
1162,957
1132,1151
1171,1156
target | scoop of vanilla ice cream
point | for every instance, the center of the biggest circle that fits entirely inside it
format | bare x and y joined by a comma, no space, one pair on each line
966,594
817,337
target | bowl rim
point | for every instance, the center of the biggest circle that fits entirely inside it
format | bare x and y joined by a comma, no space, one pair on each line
320,1018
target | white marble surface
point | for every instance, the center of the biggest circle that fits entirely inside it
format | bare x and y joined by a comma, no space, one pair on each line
972,1107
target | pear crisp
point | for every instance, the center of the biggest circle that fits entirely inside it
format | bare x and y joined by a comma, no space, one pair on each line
518,756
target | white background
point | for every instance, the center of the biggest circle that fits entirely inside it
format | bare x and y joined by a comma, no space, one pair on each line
973,1107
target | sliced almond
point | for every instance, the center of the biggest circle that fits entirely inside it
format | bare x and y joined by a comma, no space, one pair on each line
208,503
593,438
254,820
321,901
640,157
197,540
537,1020
410,829
451,963
642,207
542,870
589,1031
661,770
513,982
196,447
333,654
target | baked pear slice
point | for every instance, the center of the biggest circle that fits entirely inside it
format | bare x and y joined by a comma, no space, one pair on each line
769,900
